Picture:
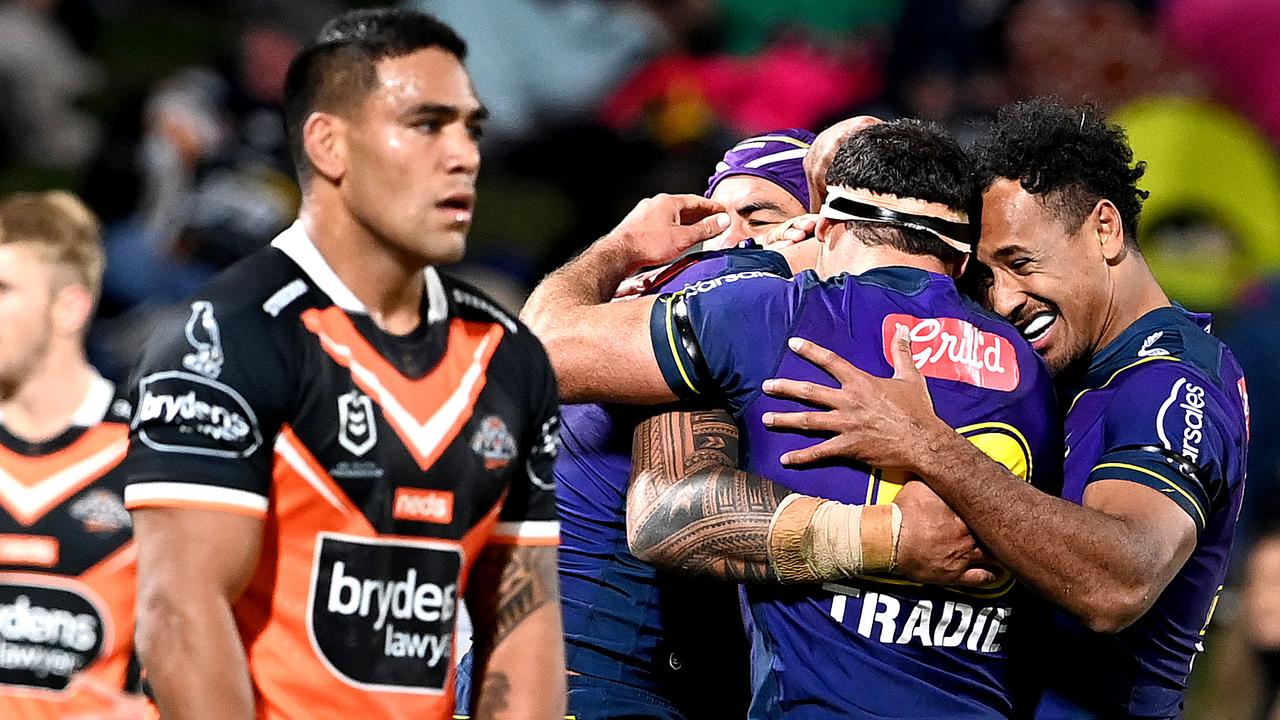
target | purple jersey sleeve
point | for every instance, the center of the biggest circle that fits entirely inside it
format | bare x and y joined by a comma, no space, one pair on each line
1165,428
715,336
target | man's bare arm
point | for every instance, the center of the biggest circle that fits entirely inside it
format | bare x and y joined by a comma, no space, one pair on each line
601,349
514,601
192,567
690,509
1106,561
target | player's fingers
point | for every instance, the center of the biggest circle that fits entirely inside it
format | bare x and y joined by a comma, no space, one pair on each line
838,367
904,365
803,391
807,421
976,577
827,449
704,229
692,208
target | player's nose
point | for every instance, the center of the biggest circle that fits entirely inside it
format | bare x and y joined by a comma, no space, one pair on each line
461,150
1004,297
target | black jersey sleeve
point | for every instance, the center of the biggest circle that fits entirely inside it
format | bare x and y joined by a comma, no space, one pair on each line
208,400
528,515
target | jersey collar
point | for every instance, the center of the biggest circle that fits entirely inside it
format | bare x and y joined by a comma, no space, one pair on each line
1157,334
295,243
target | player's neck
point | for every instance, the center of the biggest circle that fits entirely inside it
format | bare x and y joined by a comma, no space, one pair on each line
856,258
1136,293
42,406
388,283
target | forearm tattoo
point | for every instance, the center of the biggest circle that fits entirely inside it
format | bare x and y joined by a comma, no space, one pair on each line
690,508
510,582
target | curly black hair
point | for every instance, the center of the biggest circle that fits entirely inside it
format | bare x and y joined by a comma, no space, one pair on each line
907,158
1070,156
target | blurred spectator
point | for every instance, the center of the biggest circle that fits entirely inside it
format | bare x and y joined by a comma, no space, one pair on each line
1235,41
1261,605
42,75
536,62
1212,222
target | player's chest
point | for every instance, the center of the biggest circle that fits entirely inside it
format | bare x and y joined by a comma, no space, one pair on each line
1083,438
415,458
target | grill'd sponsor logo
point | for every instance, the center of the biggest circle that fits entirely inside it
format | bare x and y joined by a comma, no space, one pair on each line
381,611
47,634
954,349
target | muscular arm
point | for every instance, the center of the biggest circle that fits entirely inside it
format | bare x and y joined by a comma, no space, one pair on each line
600,349
514,600
1105,562
192,566
689,508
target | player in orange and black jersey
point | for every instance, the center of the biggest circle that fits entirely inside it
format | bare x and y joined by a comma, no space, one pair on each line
67,561
335,444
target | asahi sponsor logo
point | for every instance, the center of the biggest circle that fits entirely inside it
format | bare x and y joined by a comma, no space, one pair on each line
1180,422
381,611
47,634
955,349
186,413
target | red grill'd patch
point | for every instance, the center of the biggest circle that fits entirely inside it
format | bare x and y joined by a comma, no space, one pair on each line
954,349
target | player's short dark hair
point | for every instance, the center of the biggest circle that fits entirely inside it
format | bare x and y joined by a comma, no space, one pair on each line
1070,157
907,158
338,68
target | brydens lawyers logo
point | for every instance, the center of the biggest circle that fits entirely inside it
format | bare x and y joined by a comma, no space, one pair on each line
494,443
954,349
356,431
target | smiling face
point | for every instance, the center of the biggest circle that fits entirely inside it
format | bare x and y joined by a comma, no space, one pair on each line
1051,281
412,156
755,207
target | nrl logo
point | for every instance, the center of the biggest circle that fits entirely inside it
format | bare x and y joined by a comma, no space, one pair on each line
356,431
494,443
202,333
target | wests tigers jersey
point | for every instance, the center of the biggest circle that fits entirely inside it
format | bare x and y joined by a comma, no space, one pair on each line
382,466
67,564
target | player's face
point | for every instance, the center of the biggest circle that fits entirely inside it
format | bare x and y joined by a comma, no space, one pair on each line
26,307
412,156
755,206
1046,278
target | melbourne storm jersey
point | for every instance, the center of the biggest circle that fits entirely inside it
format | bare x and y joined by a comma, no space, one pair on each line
382,466
879,647
624,621
67,564
1163,405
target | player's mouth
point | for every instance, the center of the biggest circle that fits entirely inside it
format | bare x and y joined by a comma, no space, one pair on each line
1038,328
458,206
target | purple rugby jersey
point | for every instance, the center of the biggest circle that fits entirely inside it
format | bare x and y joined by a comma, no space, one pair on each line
624,621
1163,405
878,647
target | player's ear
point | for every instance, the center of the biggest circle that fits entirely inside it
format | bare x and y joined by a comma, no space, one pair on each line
1108,230
827,230
72,309
324,139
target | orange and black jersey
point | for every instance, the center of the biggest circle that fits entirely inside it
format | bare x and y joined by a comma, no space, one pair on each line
67,564
381,464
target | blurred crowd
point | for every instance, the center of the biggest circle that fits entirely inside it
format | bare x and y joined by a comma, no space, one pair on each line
165,118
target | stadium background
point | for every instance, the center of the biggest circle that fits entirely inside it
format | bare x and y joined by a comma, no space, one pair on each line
164,116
